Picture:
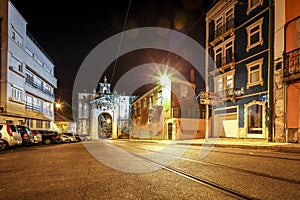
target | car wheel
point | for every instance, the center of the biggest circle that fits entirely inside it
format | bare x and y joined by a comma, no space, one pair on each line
3,145
47,141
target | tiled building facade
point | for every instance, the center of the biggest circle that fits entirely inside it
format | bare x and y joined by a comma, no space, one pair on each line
237,74
27,74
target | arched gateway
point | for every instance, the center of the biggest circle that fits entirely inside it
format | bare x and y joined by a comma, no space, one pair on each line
104,114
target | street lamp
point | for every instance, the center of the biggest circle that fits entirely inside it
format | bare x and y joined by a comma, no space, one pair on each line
58,105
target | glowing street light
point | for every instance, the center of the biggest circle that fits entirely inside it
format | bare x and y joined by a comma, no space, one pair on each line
58,105
164,80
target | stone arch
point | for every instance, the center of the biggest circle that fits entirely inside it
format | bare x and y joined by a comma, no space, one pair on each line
105,124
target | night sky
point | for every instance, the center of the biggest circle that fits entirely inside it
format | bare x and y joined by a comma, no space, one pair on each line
68,30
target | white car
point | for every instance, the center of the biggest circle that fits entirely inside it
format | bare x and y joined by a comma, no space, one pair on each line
10,135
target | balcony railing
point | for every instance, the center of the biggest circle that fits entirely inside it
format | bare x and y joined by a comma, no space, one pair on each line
225,60
292,63
38,108
223,29
39,87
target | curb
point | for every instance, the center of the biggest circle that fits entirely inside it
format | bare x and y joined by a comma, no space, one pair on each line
279,148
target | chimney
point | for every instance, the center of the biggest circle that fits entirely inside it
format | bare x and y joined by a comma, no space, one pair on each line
192,76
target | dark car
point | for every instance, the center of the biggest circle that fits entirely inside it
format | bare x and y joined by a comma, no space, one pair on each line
49,136
27,135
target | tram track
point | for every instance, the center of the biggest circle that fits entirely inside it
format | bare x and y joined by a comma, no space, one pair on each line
264,175
212,185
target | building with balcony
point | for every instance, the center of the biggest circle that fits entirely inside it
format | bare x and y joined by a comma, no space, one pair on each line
168,111
27,74
237,68
287,70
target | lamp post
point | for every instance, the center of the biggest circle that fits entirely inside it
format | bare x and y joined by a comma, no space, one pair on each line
165,82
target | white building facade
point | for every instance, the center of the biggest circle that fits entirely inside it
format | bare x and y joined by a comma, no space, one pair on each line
104,114
27,74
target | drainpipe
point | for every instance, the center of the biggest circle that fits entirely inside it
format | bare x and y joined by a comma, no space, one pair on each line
271,73
1,18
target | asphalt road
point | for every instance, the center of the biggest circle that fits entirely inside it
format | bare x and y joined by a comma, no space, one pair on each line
146,170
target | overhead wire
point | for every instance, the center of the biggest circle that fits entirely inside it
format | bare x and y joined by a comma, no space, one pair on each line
120,43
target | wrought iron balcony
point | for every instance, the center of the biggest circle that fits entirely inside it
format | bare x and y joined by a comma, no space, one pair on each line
225,60
292,63
38,108
223,29
38,86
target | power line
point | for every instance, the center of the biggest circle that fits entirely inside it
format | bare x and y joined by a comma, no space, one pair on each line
121,39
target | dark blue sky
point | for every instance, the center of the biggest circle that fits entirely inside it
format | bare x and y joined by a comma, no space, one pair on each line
68,30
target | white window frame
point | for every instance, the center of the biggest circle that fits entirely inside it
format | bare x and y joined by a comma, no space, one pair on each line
250,8
29,75
223,47
259,31
17,94
223,77
224,17
259,70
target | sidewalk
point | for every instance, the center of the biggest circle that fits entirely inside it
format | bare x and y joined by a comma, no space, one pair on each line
243,143
261,144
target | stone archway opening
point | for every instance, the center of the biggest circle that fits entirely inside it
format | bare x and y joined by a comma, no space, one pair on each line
105,126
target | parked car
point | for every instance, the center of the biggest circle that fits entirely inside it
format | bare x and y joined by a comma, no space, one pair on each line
38,137
10,135
65,138
72,137
27,135
2,144
49,136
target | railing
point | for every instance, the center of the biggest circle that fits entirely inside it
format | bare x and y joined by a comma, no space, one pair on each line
225,60
292,63
39,87
38,108
223,29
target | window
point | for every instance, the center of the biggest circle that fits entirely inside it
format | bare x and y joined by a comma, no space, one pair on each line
38,123
17,94
17,37
254,33
39,83
224,22
39,104
145,102
219,24
134,108
159,98
219,84
47,124
255,73
252,4
151,102
224,81
139,108
29,76
224,53
28,122
29,101
183,90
